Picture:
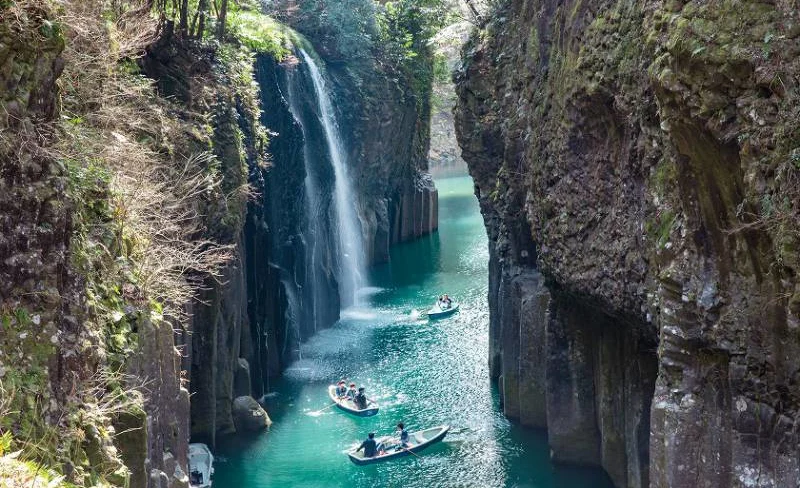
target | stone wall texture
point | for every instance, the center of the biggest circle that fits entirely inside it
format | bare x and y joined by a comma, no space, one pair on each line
638,168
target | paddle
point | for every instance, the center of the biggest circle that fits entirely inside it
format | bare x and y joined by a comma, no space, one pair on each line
329,406
411,452
386,438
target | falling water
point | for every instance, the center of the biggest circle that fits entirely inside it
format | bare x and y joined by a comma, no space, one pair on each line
315,228
351,250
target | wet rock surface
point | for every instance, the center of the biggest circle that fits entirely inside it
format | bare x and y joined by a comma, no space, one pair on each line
248,416
639,156
387,128
281,288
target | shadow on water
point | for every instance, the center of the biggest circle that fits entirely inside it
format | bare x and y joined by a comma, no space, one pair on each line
422,373
411,263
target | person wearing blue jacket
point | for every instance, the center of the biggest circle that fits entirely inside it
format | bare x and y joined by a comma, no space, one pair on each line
369,446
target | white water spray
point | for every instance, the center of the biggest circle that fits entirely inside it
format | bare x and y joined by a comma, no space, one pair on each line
351,250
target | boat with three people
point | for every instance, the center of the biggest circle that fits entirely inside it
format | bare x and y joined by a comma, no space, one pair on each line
350,407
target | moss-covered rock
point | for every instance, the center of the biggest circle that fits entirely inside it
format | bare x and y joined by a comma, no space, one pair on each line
647,148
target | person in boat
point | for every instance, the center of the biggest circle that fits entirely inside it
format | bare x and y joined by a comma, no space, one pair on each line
360,399
370,446
440,302
447,301
341,389
404,437
196,477
351,393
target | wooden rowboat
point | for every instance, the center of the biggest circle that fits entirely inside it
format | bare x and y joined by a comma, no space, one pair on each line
350,407
417,440
439,313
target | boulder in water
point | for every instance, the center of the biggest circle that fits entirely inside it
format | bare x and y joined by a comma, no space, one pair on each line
249,416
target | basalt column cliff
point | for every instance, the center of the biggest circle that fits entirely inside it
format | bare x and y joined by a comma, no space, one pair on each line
638,166
154,234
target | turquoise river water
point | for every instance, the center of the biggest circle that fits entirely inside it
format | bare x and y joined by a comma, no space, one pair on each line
422,373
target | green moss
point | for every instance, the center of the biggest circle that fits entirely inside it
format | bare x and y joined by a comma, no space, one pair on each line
660,228
664,176
260,32
533,45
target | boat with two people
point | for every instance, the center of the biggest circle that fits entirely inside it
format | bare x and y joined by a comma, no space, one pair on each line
444,307
390,447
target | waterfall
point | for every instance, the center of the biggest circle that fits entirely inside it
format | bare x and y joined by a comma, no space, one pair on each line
350,246
314,213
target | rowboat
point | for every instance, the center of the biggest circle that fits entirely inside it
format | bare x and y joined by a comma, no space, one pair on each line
350,407
437,312
201,465
417,440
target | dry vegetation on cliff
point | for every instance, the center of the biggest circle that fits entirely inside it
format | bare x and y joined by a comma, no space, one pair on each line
151,205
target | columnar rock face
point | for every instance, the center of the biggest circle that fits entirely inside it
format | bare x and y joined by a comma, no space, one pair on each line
281,288
63,357
637,168
153,441
387,129
35,226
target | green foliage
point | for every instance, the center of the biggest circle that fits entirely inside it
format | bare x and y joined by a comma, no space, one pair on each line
258,32
348,26
795,157
660,229
5,442
664,176
405,27
767,207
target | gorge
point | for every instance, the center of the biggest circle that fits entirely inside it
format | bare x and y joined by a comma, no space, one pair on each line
212,209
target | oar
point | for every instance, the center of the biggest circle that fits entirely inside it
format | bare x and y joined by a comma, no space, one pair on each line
329,406
411,452
405,449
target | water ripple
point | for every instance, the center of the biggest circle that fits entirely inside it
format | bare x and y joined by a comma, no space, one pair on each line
422,373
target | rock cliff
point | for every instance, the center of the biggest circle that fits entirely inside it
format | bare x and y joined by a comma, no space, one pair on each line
637,167
151,251
386,123
281,285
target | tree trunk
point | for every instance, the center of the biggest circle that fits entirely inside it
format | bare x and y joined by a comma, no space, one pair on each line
184,25
202,8
473,9
221,19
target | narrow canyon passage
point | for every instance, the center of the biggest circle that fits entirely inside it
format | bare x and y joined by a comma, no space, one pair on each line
211,210
423,373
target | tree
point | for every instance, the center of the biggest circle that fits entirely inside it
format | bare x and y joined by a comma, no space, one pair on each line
473,9
221,19
184,18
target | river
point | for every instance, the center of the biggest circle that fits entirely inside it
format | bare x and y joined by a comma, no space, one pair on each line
422,373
